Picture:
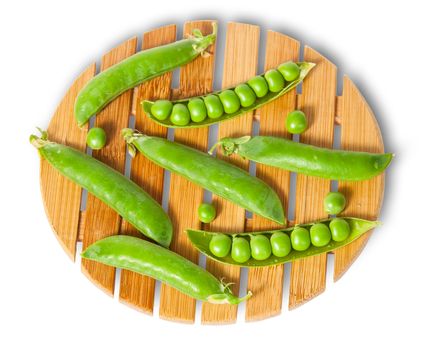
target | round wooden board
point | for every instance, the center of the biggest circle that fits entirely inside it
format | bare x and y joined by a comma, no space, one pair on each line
326,112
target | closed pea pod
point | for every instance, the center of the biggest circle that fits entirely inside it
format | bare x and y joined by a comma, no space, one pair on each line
137,255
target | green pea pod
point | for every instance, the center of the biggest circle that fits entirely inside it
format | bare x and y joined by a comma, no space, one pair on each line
215,175
136,69
201,239
110,186
135,254
305,68
307,159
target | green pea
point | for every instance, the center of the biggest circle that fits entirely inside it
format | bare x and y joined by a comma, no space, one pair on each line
280,244
334,203
96,138
197,110
260,247
230,101
240,250
300,239
214,106
161,109
206,212
245,94
275,80
180,115
220,245
258,85
289,70
296,122
320,235
340,229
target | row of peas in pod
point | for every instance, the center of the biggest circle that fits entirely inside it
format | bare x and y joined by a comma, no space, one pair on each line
279,244
228,101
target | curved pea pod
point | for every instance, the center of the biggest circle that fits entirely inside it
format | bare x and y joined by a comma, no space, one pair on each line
136,69
135,254
307,159
200,239
305,68
215,175
110,186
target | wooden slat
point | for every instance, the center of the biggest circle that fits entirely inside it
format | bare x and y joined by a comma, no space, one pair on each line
318,103
195,78
100,220
360,132
61,197
138,290
241,57
266,284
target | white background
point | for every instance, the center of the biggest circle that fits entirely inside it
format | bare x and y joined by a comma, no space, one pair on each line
45,301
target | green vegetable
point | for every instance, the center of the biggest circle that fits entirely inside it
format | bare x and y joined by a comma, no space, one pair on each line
260,247
280,244
321,235
340,229
296,122
135,254
110,186
96,138
206,212
307,159
219,177
197,110
180,114
162,109
200,239
136,69
300,239
289,70
334,203
237,100
220,245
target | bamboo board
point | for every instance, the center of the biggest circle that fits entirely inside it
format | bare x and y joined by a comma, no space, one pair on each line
325,110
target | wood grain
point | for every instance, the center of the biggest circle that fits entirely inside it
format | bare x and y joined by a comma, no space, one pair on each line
241,59
266,283
307,278
195,78
100,220
63,215
138,290
360,132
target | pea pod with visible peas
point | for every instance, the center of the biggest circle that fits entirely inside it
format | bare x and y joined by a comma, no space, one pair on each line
136,69
233,102
215,175
110,186
307,159
135,254
285,247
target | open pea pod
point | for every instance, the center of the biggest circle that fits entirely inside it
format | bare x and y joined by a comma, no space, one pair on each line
201,239
305,68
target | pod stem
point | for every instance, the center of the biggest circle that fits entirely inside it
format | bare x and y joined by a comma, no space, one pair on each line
228,298
39,141
229,145
130,136
203,42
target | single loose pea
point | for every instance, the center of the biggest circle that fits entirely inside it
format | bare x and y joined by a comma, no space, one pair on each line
260,247
206,212
180,115
220,245
275,80
240,250
320,235
334,203
245,94
96,138
340,229
214,106
258,85
230,101
280,244
161,109
289,70
197,110
296,122
300,239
